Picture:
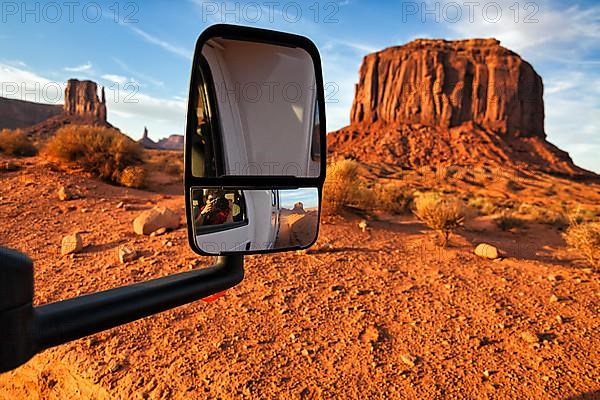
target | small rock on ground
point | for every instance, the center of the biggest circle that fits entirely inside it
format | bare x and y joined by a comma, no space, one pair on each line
127,254
64,193
530,337
71,244
152,220
408,359
487,251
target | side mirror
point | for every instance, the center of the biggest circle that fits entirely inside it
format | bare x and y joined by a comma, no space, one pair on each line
254,173
255,142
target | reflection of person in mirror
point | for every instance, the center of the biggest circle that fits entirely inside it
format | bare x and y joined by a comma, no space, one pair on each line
216,211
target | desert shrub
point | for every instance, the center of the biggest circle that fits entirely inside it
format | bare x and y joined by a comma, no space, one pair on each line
174,169
16,143
507,220
103,152
544,215
550,191
393,198
133,177
343,188
444,215
170,162
513,186
585,238
556,219
484,205
451,171
580,215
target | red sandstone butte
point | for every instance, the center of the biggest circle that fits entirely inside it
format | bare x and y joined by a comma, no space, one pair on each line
461,102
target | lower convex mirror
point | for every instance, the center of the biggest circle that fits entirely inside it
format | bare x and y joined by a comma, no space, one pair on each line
234,220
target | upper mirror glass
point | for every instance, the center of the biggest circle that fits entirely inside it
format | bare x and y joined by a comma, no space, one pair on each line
254,111
227,220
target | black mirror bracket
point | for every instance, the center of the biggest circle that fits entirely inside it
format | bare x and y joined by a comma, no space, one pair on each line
16,311
26,330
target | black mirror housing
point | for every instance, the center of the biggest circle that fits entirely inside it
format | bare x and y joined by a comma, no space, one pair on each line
255,125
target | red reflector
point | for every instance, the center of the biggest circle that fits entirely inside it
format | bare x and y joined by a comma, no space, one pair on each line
214,297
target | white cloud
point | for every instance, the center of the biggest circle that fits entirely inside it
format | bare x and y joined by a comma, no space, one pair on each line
572,102
119,79
340,74
80,68
362,48
560,85
171,48
141,76
545,28
16,63
23,84
131,111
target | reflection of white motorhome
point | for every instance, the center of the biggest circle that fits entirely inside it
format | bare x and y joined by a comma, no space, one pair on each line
267,106
269,125
258,231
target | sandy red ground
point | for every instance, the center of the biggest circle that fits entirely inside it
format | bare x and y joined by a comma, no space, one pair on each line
363,315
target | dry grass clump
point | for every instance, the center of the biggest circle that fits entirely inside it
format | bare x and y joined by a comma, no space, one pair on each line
16,143
508,220
580,215
170,162
513,186
556,219
444,215
343,188
551,190
103,152
544,215
484,205
133,177
585,238
393,198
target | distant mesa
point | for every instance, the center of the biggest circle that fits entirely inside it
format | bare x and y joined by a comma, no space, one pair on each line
16,114
82,106
462,102
146,142
173,142
81,99
299,208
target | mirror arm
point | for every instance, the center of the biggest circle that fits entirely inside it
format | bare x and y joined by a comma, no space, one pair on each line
27,330
63,321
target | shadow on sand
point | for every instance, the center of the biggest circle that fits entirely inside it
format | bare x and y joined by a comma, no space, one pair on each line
595,395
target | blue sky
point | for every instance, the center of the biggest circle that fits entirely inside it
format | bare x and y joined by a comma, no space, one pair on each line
308,196
141,51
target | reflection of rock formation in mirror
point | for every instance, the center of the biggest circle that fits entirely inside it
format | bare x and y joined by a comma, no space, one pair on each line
299,208
297,226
